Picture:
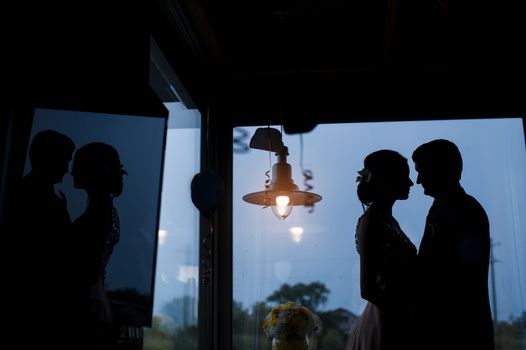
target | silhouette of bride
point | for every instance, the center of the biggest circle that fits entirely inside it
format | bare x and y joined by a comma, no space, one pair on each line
387,256
97,170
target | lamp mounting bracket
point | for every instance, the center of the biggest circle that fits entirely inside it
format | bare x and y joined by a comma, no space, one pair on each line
267,139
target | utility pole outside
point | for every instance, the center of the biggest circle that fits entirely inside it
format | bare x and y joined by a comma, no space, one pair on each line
492,261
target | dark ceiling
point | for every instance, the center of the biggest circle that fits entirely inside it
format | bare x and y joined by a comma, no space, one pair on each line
260,36
361,59
274,36
337,57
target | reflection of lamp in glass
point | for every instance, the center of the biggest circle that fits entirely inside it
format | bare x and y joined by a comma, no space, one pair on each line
296,232
282,194
162,236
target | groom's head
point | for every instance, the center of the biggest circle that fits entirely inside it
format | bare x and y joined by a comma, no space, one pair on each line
49,155
439,166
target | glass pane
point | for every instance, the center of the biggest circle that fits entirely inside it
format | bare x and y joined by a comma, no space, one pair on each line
176,280
126,279
318,264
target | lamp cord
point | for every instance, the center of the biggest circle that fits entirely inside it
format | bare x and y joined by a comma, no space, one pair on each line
267,173
240,146
307,174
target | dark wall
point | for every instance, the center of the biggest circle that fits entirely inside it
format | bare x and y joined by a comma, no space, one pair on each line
88,56
79,51
80,55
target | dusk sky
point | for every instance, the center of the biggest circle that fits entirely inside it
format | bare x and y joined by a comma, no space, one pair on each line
266,255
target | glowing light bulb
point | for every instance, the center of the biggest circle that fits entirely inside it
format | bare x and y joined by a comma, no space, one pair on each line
283,207
282,201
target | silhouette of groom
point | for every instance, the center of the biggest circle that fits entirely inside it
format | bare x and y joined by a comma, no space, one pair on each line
453,257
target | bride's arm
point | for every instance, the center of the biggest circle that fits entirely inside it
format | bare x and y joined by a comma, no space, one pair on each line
370,279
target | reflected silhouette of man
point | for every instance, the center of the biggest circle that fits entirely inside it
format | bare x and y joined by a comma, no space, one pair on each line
453,256
41,225
49,155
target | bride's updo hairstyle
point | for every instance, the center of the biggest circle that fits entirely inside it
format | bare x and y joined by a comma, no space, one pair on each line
381,168
97,167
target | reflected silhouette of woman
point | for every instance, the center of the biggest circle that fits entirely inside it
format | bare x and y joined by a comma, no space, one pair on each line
387,256
97,170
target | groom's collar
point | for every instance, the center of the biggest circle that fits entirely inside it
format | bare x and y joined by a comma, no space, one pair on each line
451,192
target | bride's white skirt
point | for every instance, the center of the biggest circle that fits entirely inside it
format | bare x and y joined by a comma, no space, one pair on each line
365,331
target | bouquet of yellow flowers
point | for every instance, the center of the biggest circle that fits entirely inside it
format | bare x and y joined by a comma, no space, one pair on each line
290,320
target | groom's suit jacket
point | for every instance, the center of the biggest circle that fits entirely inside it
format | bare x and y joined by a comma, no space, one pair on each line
453,262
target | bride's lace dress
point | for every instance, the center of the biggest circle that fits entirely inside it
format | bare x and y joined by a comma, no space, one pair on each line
97,231
387,262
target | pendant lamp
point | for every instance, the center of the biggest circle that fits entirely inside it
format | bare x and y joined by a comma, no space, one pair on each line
282,194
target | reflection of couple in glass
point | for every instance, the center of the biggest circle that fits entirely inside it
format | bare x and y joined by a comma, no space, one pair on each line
436,298
70,258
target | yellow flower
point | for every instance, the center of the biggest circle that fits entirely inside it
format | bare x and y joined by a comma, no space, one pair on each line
291,321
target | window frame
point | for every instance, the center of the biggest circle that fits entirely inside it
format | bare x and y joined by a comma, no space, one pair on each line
220,140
